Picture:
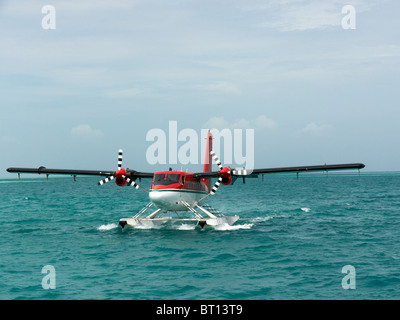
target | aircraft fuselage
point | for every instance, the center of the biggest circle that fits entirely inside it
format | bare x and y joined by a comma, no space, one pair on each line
169,188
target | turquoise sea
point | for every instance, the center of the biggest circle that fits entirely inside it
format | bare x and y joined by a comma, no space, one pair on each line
293,238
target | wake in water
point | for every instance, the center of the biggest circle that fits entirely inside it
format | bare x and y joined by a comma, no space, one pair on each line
186,227
227,227
260,219
106,227
247,223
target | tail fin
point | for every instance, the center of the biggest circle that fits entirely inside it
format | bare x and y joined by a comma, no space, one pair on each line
208,159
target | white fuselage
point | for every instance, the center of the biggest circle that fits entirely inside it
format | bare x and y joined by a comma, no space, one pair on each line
170,199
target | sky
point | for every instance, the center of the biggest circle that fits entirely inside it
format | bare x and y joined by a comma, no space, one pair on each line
313,91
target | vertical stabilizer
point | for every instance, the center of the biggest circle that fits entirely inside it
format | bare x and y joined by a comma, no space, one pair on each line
208,158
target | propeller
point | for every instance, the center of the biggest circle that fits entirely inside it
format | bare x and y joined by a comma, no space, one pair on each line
109,178
216,186
225,177
216,159
120,175
132,183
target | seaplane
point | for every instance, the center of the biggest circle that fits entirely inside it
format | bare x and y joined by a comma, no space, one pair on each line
180,196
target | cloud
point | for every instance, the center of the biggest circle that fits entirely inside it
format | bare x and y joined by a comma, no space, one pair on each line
29,7
217,123
314,128
86,131
301,15
261,122
264,122
306,16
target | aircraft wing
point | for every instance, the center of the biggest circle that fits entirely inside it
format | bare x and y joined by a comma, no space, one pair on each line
325,167
43,170
255,172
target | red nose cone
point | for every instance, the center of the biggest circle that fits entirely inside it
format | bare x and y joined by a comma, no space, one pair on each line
225,173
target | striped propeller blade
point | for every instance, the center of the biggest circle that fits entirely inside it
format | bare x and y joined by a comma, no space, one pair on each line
216,159
132,183
105,180
216,186
119,159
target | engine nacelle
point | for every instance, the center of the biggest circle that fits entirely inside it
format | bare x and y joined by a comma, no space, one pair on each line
225,174
120,177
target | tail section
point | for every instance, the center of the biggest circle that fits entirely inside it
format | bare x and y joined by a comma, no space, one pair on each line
208,159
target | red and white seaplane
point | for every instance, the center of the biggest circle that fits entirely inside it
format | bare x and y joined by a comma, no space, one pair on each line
180,196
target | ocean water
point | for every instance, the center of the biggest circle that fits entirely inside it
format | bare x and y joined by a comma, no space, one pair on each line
292,241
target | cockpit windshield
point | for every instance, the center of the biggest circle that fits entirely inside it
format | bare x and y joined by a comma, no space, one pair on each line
166,178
